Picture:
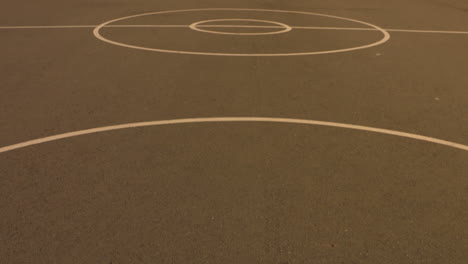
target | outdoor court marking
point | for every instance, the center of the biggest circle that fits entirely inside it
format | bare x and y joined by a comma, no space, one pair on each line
97,34
239,26
46,27
198,26
238,120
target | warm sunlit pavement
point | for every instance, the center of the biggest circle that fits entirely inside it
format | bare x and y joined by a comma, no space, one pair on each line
235,132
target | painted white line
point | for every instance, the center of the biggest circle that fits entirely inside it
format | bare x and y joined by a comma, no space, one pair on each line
93,26
293,27
196,26
387,29
427,31
97,34
148,26
238,26
338,28
234,119
188,26
46,27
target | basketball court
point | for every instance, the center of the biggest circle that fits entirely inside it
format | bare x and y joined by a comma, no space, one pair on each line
234,132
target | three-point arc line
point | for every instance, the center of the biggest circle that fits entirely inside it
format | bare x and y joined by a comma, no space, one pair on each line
238,120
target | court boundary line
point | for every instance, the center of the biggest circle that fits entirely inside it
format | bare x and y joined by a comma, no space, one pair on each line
234,120
240,26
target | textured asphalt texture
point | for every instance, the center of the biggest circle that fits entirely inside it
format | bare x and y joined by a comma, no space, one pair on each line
233,192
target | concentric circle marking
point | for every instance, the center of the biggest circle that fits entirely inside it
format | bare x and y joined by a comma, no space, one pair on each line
97,34
234,119
283,27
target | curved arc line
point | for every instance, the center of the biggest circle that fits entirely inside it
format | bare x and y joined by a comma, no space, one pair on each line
233,119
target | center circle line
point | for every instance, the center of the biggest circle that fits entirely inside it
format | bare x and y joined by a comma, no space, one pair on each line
97,34
196,26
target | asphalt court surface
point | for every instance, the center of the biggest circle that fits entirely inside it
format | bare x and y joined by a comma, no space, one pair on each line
287,190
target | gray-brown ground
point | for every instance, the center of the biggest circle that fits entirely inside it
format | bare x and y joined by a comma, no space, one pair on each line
233,193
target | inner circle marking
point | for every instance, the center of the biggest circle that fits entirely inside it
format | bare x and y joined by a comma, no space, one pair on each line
234,119
196,26
97,34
